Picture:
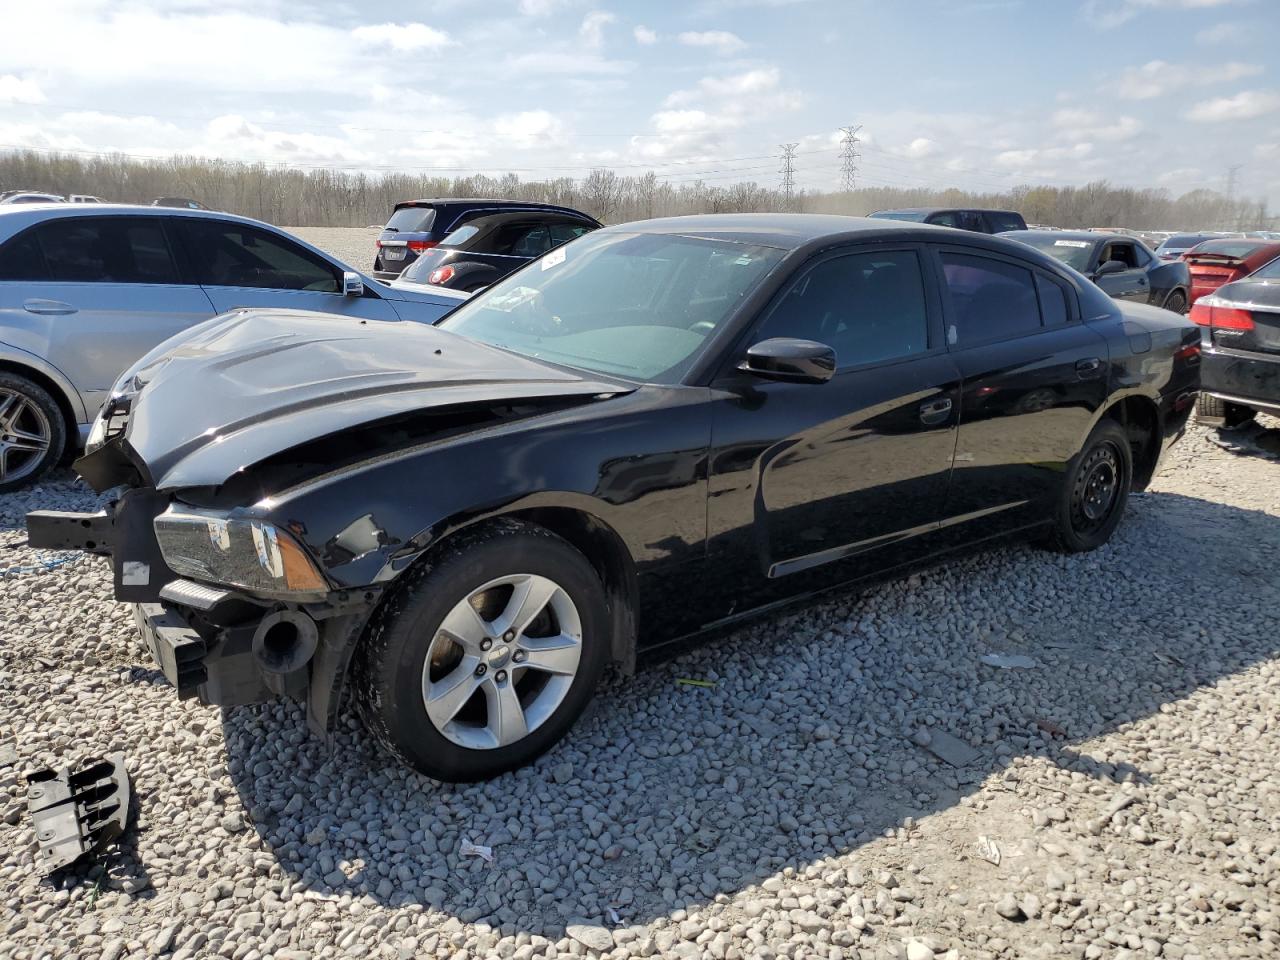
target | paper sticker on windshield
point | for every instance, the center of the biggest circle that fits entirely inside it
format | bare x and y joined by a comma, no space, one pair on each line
1071,243
553,258
508,301
743,261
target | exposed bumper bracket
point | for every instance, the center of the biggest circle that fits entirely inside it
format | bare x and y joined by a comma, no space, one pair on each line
64,530
78,811
176,648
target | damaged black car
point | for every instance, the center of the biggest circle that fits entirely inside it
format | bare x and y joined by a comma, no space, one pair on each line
652,433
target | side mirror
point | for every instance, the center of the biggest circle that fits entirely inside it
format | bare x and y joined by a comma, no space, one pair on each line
790,360
1110,267
352,284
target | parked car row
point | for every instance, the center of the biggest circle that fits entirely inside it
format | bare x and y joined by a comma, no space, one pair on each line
654,431
87,290
36,196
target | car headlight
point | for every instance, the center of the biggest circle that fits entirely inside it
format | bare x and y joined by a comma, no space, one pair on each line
250,554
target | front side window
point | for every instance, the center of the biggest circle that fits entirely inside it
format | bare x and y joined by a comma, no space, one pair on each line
235,255
1124,252
868,307
990,299
1004,221
638,306
93,250
947,219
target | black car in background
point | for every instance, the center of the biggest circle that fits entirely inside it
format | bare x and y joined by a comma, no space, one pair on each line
416,226
1240,326
979,221
1173,247
486,248
1123,267
655,432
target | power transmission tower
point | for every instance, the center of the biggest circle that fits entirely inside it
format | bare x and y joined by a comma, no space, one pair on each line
1233,175
788,171
849,157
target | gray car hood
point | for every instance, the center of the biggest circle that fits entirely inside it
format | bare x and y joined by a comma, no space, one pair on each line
257,382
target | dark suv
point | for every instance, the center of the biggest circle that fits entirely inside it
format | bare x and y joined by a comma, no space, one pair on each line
979,221
485,249
418,225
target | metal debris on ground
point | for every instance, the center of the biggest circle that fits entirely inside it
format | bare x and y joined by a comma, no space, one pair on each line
77,812
988,849
950,749
469,849
688,682
1008,661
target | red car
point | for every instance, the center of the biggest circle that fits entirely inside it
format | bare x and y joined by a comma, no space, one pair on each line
1216,262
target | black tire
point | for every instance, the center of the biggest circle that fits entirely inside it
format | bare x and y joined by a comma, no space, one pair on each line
40,413
1094,492
388,672
1221,413
1176,301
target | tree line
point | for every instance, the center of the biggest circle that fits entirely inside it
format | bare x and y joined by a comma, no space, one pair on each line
316,198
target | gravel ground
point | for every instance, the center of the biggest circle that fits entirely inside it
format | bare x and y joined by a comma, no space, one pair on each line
1128,778
353,245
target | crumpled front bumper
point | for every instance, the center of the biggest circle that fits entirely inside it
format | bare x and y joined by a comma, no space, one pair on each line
219,645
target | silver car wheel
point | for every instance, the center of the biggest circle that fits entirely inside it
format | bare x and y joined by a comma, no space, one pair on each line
502,661
25,435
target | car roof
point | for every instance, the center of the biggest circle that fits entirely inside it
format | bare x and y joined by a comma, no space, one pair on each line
794,231
15,217
441,202
931,210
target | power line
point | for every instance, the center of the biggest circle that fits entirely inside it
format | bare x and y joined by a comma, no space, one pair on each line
849,157
788,171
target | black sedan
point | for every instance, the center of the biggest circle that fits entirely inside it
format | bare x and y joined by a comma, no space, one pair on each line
1123,267
486,249
1240,323
654,432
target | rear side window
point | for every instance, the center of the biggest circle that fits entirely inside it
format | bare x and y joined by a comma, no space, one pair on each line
460,236
21,259
990,299
1053,302
234,255
92,250
868,307
412,219
1005,221
948,218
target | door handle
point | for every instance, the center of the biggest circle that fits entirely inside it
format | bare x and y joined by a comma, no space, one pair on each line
935,411
47,307
1088,367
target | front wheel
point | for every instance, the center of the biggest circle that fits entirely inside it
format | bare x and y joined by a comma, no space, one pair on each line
486,657
1094,492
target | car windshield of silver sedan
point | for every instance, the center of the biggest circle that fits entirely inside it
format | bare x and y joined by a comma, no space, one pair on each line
638,306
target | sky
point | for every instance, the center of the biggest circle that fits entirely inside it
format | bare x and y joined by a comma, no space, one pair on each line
980,94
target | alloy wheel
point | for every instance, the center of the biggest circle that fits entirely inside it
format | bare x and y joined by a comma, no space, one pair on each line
25,435
502,661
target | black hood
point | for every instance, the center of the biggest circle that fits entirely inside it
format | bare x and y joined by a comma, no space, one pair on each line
258,382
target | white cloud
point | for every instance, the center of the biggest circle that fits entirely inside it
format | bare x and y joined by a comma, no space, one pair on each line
402,37
644,36
1230,31
1158,77
1267,151
1074,123
1108,14
529,128
551,62
920,147
19,90
763,80
721,41
1245,105
541,8
592,29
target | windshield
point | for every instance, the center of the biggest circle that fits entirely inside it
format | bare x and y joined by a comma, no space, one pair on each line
1182,242
1270,271
1074,253
411,220
912,215
638,306
1228,248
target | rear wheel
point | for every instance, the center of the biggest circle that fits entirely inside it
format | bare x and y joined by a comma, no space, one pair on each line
487,656
32,431
1176,301
1221,413
1095,491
